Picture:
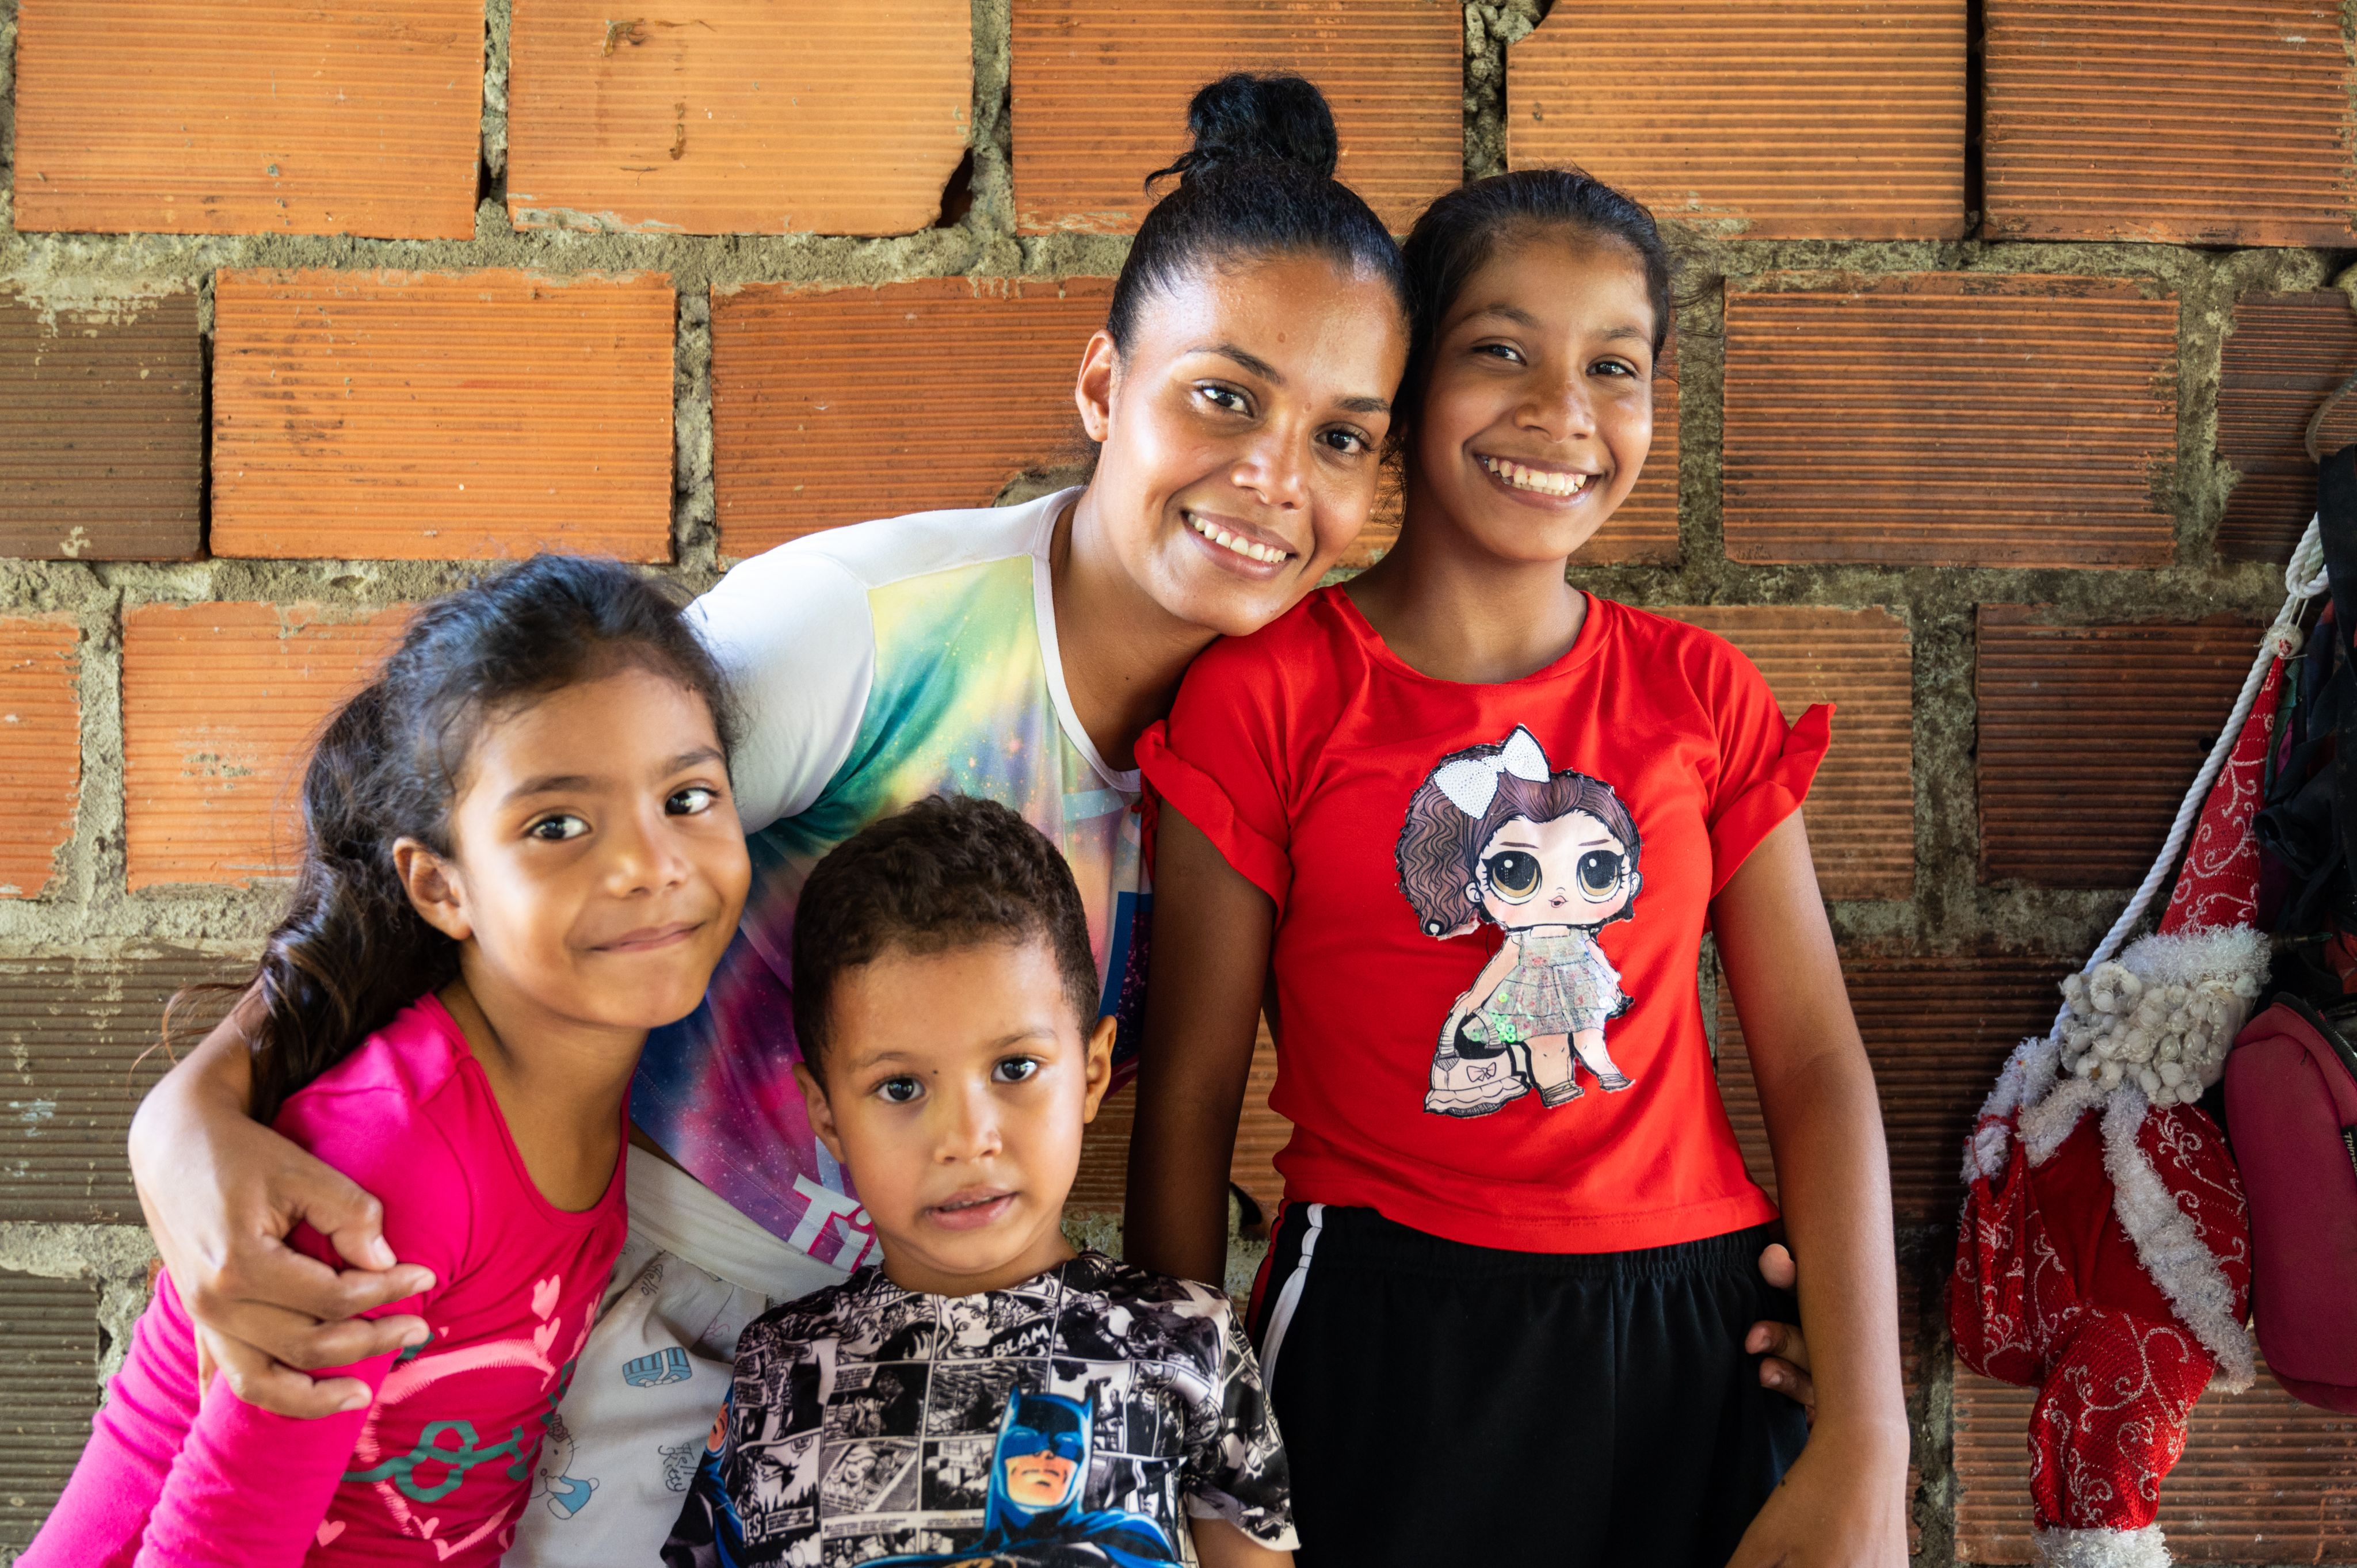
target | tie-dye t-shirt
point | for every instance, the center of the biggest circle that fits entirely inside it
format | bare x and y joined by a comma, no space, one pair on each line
874,666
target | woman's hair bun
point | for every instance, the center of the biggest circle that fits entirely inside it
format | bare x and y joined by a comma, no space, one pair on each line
1243,117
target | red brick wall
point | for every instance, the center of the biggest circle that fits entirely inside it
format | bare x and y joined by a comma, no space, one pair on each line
1983,421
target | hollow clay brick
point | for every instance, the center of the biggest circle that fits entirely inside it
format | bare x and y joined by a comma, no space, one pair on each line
249,116
221,703
737,116
2264,1478
427,415
1101,89
2090,736
837,406
1937,1031
40,748
1950,420
2287,351
1767,119
2202,124
48,1390
79,1037
101,433
1861,809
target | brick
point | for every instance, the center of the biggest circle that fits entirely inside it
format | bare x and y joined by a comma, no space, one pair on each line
2090,736
1101,89
49,1392
737,116
2287,351
2264,1479
1861,809
1769,119
1102,1183
1950,420
219,705
40,748
427,415
249,116
81,1038
1937,1031
834,405
2155,119
102,434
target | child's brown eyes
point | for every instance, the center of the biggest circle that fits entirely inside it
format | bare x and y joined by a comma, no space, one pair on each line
898,1090
694,800
1016,1070
555,829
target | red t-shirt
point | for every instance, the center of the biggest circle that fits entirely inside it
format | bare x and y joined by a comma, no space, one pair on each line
1489,909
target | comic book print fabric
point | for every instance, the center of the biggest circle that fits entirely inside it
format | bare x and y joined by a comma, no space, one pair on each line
1075,1420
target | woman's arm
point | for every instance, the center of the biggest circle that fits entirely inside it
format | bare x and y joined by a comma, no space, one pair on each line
1212,935
1844,1500
220,1192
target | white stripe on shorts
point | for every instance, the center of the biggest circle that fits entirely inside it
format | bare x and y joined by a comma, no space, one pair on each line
1280,1316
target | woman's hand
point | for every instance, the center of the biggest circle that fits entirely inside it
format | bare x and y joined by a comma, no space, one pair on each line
1786,1368
220,1193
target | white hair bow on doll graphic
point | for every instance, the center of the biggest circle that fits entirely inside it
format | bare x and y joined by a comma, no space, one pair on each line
1471,782
1496,835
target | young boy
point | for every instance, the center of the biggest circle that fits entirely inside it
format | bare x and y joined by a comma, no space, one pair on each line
985,1396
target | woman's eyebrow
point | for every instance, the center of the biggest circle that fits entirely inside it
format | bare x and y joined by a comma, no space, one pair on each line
1249,361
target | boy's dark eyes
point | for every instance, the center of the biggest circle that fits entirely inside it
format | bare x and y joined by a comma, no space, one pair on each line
1016,1070
556,827
900,1091
694,800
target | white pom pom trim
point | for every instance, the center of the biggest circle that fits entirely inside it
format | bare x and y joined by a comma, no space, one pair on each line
2145,1548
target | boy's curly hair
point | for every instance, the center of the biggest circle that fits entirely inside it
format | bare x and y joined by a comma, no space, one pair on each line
949,872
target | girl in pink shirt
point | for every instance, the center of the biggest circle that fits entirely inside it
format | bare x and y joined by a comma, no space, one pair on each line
519,855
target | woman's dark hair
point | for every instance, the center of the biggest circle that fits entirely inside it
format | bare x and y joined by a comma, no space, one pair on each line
950,872
351,952
1462,230
1258,182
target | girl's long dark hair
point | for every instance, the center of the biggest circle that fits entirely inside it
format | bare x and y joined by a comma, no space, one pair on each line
350,951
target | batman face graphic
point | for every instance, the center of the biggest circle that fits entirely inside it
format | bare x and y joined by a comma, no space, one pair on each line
1038,1476
1041,1463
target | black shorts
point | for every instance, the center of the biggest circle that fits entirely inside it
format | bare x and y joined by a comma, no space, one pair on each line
1446,1404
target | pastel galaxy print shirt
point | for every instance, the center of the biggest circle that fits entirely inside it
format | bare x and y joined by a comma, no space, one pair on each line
873,666
1075,1420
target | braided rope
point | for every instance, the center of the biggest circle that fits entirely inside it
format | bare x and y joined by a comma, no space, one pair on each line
2304,578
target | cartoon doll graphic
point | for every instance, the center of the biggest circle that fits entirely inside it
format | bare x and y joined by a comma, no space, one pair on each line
1039,1472
1550,859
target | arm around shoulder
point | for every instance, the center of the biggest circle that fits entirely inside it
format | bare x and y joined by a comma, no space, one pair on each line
221,1192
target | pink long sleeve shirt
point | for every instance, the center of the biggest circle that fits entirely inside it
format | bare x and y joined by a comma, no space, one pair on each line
438,1467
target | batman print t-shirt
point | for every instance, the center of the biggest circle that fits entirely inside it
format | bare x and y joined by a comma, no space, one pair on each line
1075,1420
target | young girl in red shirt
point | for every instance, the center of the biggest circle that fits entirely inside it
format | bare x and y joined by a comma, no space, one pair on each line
1458,827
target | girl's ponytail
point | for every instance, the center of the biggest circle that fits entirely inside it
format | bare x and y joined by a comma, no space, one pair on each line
352,951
